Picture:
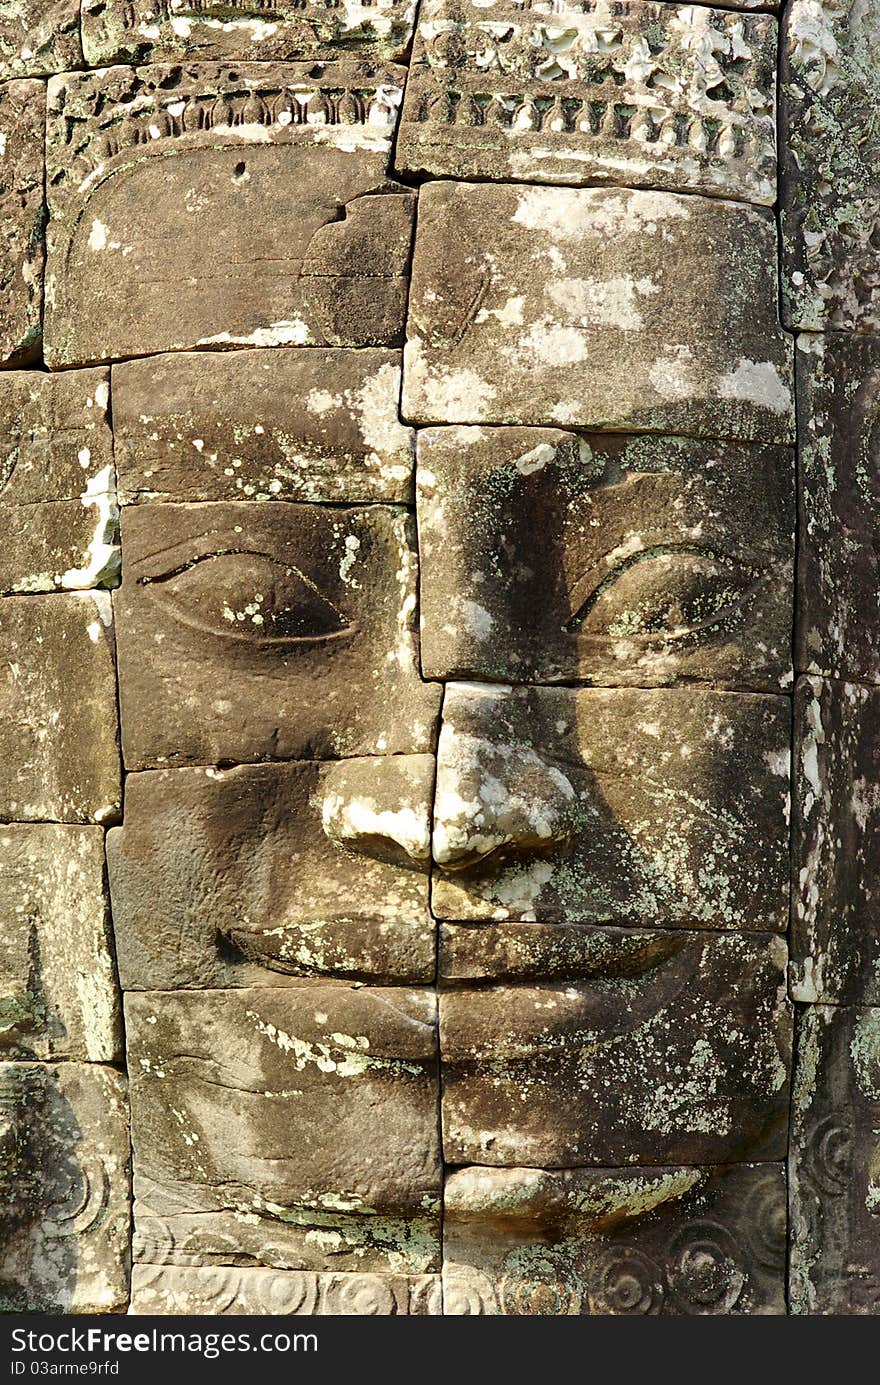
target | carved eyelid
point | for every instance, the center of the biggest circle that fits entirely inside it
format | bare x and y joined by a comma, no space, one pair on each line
288,569
660,550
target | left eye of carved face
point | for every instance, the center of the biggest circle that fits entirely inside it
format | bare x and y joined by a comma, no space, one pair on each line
667,593
247,596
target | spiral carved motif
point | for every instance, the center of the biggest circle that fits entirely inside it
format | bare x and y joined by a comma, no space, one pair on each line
542,1284
704,1269
469,1295
828,1156
627,1282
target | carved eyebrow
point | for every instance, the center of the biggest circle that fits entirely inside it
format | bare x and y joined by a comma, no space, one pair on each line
659,550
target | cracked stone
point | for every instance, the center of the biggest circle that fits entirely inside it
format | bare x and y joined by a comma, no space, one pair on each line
277,171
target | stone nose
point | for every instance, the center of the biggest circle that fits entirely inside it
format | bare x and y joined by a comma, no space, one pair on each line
380,807
492,796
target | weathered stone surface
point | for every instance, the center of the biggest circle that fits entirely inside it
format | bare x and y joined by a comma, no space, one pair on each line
838,563
685,1062
64,1189
57,482
173,1289
548,556
58,994
39,36
835,1184
836,872
58,753
596,307
830,205
560,952
648,95
248,875
173,30
613,806
232,616
55,436
295,1128
530,1242
272,221
22,219
316,425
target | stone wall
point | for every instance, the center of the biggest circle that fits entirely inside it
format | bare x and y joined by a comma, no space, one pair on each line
440,769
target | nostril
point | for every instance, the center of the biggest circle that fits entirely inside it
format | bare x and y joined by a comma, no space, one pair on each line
360,823
380,807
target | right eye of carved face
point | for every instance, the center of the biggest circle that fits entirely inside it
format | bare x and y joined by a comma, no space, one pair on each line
248,596
667,593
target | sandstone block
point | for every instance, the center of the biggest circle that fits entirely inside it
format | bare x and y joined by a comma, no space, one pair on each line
175,1289
231,616
64,1189
57,482
247,876
835,884
648,95
272,221
58,748
264,30
685,1061
612,1242
829,200
596,307
58,995
313,425
22,219
839,456
613,806
835,1187
293,1128
547,556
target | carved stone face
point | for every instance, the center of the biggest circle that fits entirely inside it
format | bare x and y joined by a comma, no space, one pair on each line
453,641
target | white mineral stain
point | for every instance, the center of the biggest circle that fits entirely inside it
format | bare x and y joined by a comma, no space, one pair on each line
536,460
757,382
350,818
374,406
98,236
285,333
102,557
